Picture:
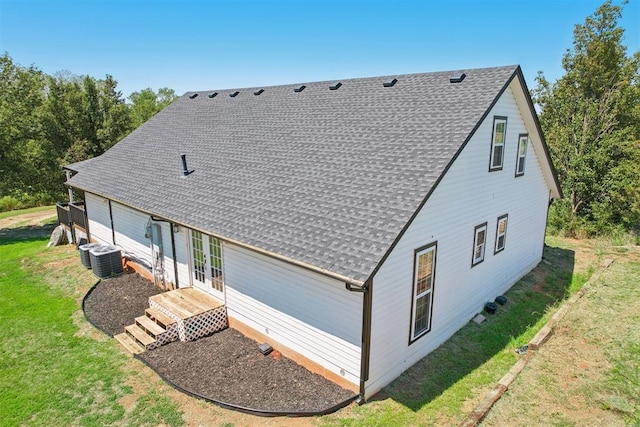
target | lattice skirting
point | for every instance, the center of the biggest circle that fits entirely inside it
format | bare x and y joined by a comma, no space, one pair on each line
169,336
197,326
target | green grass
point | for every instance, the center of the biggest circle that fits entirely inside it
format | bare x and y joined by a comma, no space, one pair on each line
9,214
436,390
50,373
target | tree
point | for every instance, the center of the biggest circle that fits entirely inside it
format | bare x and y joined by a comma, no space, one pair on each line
591,121
146,103
22,152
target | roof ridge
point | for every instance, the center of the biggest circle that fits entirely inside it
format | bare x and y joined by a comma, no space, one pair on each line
347,80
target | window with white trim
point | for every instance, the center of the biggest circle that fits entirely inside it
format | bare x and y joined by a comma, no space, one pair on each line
523,139
501,233
424,266
479,244
498,138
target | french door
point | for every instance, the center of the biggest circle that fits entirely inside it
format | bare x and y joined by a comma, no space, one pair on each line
206,261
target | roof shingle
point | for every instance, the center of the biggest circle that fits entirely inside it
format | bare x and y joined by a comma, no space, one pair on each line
326,177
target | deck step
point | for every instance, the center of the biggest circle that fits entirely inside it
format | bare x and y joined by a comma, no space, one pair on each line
159,317
149,326
129,343
137,333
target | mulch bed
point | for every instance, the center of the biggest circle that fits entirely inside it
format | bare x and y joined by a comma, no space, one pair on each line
225,367
116,302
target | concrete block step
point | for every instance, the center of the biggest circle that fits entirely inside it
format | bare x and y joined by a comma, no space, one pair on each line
129,343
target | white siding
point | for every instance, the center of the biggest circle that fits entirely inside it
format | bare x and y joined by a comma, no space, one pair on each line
304,311
467,196
182,257
129,226
99,220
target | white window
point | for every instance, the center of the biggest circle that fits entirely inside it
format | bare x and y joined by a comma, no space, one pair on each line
522,154
501,233
497,143
479,244
423,280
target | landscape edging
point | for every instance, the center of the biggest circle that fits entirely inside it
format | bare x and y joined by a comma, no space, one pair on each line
482,409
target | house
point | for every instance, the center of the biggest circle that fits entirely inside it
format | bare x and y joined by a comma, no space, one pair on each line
354,225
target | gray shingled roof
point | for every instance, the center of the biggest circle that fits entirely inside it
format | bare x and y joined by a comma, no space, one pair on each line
326,177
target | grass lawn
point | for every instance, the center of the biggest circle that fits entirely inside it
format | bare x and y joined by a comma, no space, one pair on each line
53,372
447,384
56,369
590,368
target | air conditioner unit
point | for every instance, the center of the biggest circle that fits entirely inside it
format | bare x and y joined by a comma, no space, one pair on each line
84,253
106,261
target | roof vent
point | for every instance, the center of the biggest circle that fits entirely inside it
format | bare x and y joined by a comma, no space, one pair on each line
185,169
299,89
390,83
457,79
192,96
335,86
213,95
258,92
234,94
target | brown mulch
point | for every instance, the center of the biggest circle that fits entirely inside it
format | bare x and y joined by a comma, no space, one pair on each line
225,367
115,303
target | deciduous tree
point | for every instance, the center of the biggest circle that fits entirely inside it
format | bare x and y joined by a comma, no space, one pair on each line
591,121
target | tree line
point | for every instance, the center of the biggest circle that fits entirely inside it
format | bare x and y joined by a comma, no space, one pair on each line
590,118
49,121
591,121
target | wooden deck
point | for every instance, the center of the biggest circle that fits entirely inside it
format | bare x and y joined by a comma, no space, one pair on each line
186,302
184,314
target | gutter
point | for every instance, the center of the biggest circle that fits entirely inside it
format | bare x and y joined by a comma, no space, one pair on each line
339,277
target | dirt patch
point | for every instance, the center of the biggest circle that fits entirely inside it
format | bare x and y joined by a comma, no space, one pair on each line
33,219
228,367
115,303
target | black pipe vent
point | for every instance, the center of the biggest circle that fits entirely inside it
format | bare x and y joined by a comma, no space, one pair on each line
213,95
390,83
192,96
335,86
299,89
457,79
258,92
185,169
234,94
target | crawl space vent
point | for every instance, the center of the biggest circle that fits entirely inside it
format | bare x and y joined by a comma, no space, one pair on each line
85,259
106,261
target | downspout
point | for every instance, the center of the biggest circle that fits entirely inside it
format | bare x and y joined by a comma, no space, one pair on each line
546,223
113,230
173,249
365,352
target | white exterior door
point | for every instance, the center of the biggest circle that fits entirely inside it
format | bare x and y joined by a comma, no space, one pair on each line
206,261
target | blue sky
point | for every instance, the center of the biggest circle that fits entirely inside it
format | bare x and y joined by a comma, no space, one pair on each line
200,45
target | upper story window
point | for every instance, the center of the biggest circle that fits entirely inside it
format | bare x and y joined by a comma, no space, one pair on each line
498,138
479,244
523,139
501,233
422,301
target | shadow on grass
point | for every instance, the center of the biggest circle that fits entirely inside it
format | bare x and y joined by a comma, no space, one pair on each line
474,344
27,233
